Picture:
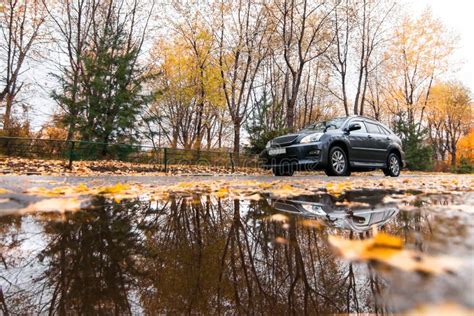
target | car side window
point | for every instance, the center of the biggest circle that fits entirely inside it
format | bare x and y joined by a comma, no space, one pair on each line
386,131
373,128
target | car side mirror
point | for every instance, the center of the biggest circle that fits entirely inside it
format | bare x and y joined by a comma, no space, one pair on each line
354,127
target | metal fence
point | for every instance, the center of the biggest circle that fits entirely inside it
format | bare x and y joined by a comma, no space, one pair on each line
71,151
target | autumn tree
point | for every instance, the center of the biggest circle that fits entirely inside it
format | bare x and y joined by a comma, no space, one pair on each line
21,22
449,117
418,54
304,36
361,30
242,32
189,100
72,21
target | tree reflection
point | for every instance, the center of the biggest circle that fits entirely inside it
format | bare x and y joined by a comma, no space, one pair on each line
92,260
199,255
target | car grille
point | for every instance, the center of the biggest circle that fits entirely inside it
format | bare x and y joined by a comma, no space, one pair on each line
284,140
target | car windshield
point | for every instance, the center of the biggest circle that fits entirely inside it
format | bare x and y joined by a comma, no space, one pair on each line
325,125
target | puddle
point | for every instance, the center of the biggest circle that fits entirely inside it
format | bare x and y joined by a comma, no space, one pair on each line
204,255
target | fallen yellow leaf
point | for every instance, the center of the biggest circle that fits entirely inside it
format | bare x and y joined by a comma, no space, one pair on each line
59,205
447,308
115,189
222,192
389,250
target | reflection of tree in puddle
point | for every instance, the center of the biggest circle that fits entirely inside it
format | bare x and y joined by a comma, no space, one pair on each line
92,258
194,256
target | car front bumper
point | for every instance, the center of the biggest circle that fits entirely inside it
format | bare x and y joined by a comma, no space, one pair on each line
300,156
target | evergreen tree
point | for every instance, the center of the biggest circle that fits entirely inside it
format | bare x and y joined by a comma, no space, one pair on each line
418,155
103,102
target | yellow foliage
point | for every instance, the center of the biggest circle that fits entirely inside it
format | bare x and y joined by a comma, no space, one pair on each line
466,146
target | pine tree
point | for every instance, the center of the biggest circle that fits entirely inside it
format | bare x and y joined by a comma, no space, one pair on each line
103,102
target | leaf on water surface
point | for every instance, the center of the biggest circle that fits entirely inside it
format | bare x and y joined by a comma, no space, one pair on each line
389,250
61,190
4,191
59,205
339,188
222,192
118,188
446,308
286,190
253,197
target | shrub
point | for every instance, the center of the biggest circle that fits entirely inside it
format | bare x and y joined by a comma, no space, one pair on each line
418,155
465,166
259,138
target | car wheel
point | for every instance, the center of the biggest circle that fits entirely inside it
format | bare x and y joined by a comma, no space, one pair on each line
338,164
393,166
283,171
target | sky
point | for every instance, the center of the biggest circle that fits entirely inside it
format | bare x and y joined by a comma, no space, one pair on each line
457,17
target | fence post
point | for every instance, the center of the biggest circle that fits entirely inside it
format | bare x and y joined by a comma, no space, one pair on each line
165,158
71,155
232,162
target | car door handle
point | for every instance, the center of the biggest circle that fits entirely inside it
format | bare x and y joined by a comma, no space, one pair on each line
369,136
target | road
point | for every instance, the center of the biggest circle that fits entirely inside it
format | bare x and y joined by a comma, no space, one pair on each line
18,184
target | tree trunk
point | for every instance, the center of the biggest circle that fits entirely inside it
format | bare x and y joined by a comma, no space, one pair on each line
8,113
236,137
209,138
453,154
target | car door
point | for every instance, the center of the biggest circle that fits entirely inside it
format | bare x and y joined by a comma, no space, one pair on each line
377,142
358,140
385,139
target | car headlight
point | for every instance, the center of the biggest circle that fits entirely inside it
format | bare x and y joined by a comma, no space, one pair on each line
311,138
269,144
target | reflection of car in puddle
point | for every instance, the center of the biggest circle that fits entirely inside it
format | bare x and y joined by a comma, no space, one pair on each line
357,219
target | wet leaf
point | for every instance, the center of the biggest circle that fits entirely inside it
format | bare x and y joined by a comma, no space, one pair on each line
337,189
3,191
286,190
115,189
389,250
56,205
448,308
222,192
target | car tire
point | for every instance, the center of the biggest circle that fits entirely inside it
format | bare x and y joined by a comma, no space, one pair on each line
393,166
283,171
338,164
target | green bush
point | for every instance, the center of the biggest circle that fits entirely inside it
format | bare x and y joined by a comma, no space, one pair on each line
418,155
465,166
259,138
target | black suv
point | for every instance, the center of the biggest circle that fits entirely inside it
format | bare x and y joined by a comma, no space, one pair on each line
338,146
